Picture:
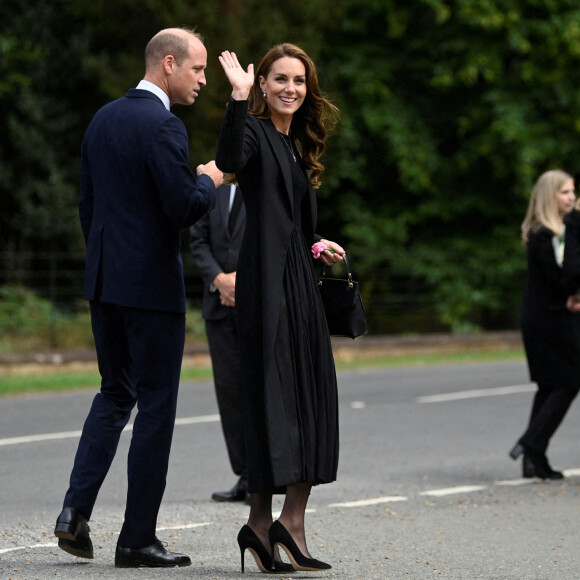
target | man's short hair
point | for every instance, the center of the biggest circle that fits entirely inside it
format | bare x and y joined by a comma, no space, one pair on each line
168,42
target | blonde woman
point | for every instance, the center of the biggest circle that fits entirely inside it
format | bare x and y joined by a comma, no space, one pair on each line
551,332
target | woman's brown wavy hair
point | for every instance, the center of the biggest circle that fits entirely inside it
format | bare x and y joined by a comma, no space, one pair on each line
310,120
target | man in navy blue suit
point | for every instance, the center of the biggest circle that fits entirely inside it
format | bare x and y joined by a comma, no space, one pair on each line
137,192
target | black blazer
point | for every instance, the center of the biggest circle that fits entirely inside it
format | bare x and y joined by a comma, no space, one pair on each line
572,253
215,249
550,331
137,192
544,291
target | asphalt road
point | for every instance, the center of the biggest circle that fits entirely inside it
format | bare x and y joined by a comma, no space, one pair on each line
425,487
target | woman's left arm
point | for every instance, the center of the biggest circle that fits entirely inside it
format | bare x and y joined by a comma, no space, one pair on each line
332,254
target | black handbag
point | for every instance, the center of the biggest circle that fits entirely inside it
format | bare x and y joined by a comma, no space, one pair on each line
343,305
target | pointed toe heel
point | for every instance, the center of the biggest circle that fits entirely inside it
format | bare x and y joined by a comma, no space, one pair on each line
247,540
279,536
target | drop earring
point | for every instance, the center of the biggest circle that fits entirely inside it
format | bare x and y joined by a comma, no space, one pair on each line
264,95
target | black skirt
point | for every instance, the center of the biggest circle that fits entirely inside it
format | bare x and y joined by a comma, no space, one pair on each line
292,432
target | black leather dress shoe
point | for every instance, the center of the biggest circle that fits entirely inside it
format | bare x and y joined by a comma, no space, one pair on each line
238,493
153,556
72,531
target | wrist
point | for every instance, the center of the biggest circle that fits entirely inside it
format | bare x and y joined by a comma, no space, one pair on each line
240,94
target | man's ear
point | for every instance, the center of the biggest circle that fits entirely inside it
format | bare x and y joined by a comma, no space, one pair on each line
169,64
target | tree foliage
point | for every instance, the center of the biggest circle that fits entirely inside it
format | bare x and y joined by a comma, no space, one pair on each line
450,110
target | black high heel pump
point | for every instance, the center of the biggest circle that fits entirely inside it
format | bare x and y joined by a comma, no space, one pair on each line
279,535
247,540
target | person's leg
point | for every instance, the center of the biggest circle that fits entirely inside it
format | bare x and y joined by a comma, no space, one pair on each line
555,404
540,398
260,518
156,341
293,512
222,337
109,413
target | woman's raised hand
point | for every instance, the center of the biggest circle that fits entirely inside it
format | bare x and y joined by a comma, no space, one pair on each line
240,79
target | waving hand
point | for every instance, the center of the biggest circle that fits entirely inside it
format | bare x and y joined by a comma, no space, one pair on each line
240,79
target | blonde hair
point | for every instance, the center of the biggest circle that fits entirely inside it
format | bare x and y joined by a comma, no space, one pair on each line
543,206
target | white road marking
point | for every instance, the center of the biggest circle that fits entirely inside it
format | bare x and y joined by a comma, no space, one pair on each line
200,419
77,434
476,393
515,482
6,550
371,501
184,527
453,490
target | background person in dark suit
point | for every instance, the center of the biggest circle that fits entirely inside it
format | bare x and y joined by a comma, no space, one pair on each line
215,246
550,331
137,192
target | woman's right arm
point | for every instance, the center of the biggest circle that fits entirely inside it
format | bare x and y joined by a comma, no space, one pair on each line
233,153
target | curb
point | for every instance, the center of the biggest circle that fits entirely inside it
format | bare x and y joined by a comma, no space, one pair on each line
345,349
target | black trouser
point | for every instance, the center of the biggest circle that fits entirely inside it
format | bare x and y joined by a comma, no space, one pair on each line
548,410
139,354
222,337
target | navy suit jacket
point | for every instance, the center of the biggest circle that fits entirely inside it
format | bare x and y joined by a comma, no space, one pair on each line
137,192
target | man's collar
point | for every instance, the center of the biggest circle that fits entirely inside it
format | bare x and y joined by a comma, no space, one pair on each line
149,86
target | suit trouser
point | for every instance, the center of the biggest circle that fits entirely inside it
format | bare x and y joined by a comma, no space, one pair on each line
222,338
140,353
548,410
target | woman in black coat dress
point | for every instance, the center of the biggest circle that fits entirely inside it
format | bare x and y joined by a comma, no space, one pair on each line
288,375
551,332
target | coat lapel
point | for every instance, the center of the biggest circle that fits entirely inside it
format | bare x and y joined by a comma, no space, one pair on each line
281,157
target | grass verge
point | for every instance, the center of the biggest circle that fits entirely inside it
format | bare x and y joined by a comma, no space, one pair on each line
53,382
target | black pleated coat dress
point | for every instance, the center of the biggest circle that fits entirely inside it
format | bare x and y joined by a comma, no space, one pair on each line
291,405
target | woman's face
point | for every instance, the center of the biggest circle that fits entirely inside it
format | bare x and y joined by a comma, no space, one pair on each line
565,197
285,88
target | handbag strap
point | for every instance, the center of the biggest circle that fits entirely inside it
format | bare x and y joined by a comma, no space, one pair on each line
348,279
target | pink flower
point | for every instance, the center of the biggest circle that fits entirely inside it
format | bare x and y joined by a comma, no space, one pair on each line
317,249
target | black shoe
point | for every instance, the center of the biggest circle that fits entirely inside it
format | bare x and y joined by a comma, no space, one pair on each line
536,465
516,451
238,493
72,531
278,535
247,540
153,556
528,469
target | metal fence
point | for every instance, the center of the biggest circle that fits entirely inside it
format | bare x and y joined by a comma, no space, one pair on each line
397,305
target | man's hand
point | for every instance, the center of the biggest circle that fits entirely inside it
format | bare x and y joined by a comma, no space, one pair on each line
210,169
226,285
573,303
